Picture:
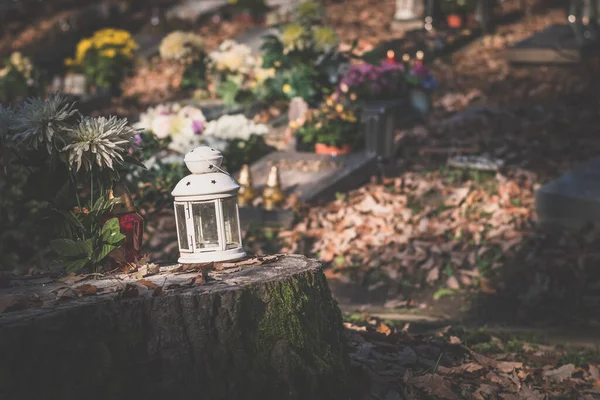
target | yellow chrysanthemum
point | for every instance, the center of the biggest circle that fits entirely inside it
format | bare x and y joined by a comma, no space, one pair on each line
353,96
178,44
110,53
339,108
287,88
325,38
292,36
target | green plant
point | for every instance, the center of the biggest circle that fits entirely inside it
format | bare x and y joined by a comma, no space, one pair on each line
66,165
105,58
18,78
332,124
188,49
304,55
254,7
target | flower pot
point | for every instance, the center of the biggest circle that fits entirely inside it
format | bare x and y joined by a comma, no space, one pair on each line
321,148
454,21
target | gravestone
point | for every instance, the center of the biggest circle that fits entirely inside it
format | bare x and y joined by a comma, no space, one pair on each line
191,10
572,200
556,44
253,38
261,328
408,15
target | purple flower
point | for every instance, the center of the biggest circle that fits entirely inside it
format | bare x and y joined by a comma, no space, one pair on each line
197,127
137,140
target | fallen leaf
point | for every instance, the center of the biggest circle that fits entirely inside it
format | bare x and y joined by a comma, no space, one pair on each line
383,328
456,197
6,302
455,340
147,283
133,290
434,385
452,283
560,374
433,275
86,289
66,293
508,366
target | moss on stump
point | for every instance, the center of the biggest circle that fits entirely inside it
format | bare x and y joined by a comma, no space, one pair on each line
265,332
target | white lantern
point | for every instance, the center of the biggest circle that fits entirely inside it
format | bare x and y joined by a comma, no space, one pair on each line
206,210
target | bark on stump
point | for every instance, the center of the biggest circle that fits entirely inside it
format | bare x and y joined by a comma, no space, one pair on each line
269,331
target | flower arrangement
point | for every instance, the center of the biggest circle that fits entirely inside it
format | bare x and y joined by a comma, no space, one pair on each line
105,58
368,82
181,127
420,76
240,140
233,69
179,46
68,165
304,55
18,78
333,124
188,49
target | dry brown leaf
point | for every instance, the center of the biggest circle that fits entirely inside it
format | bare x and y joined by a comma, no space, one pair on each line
455,340
6,302
433,275
434,385
147,283
86,289
65,292
561,373
71,279
200,279
452,283
383,328
508,366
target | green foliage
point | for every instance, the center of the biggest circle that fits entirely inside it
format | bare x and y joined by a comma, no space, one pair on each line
194,76
41,208
242,152
19,79
304,56
254,7
228,92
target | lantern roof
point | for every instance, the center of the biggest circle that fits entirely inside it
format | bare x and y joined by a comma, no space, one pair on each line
207,177
205,184
203,159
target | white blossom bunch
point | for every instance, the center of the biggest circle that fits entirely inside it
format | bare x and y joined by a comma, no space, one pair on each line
237,126
23,65
178,45
233,58
170,120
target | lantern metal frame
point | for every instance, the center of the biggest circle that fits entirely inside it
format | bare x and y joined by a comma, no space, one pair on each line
208,184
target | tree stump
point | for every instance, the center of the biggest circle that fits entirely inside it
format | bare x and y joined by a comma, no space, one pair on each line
263,331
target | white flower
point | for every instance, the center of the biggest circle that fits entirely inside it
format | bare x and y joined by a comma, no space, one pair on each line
42,121
232,57
172,120
177,45
103,140
162,125
237,126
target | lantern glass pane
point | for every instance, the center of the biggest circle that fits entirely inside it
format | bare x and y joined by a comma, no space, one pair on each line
182,227
230,218
205,226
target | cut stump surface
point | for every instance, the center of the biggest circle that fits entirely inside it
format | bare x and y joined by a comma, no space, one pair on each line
268,331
